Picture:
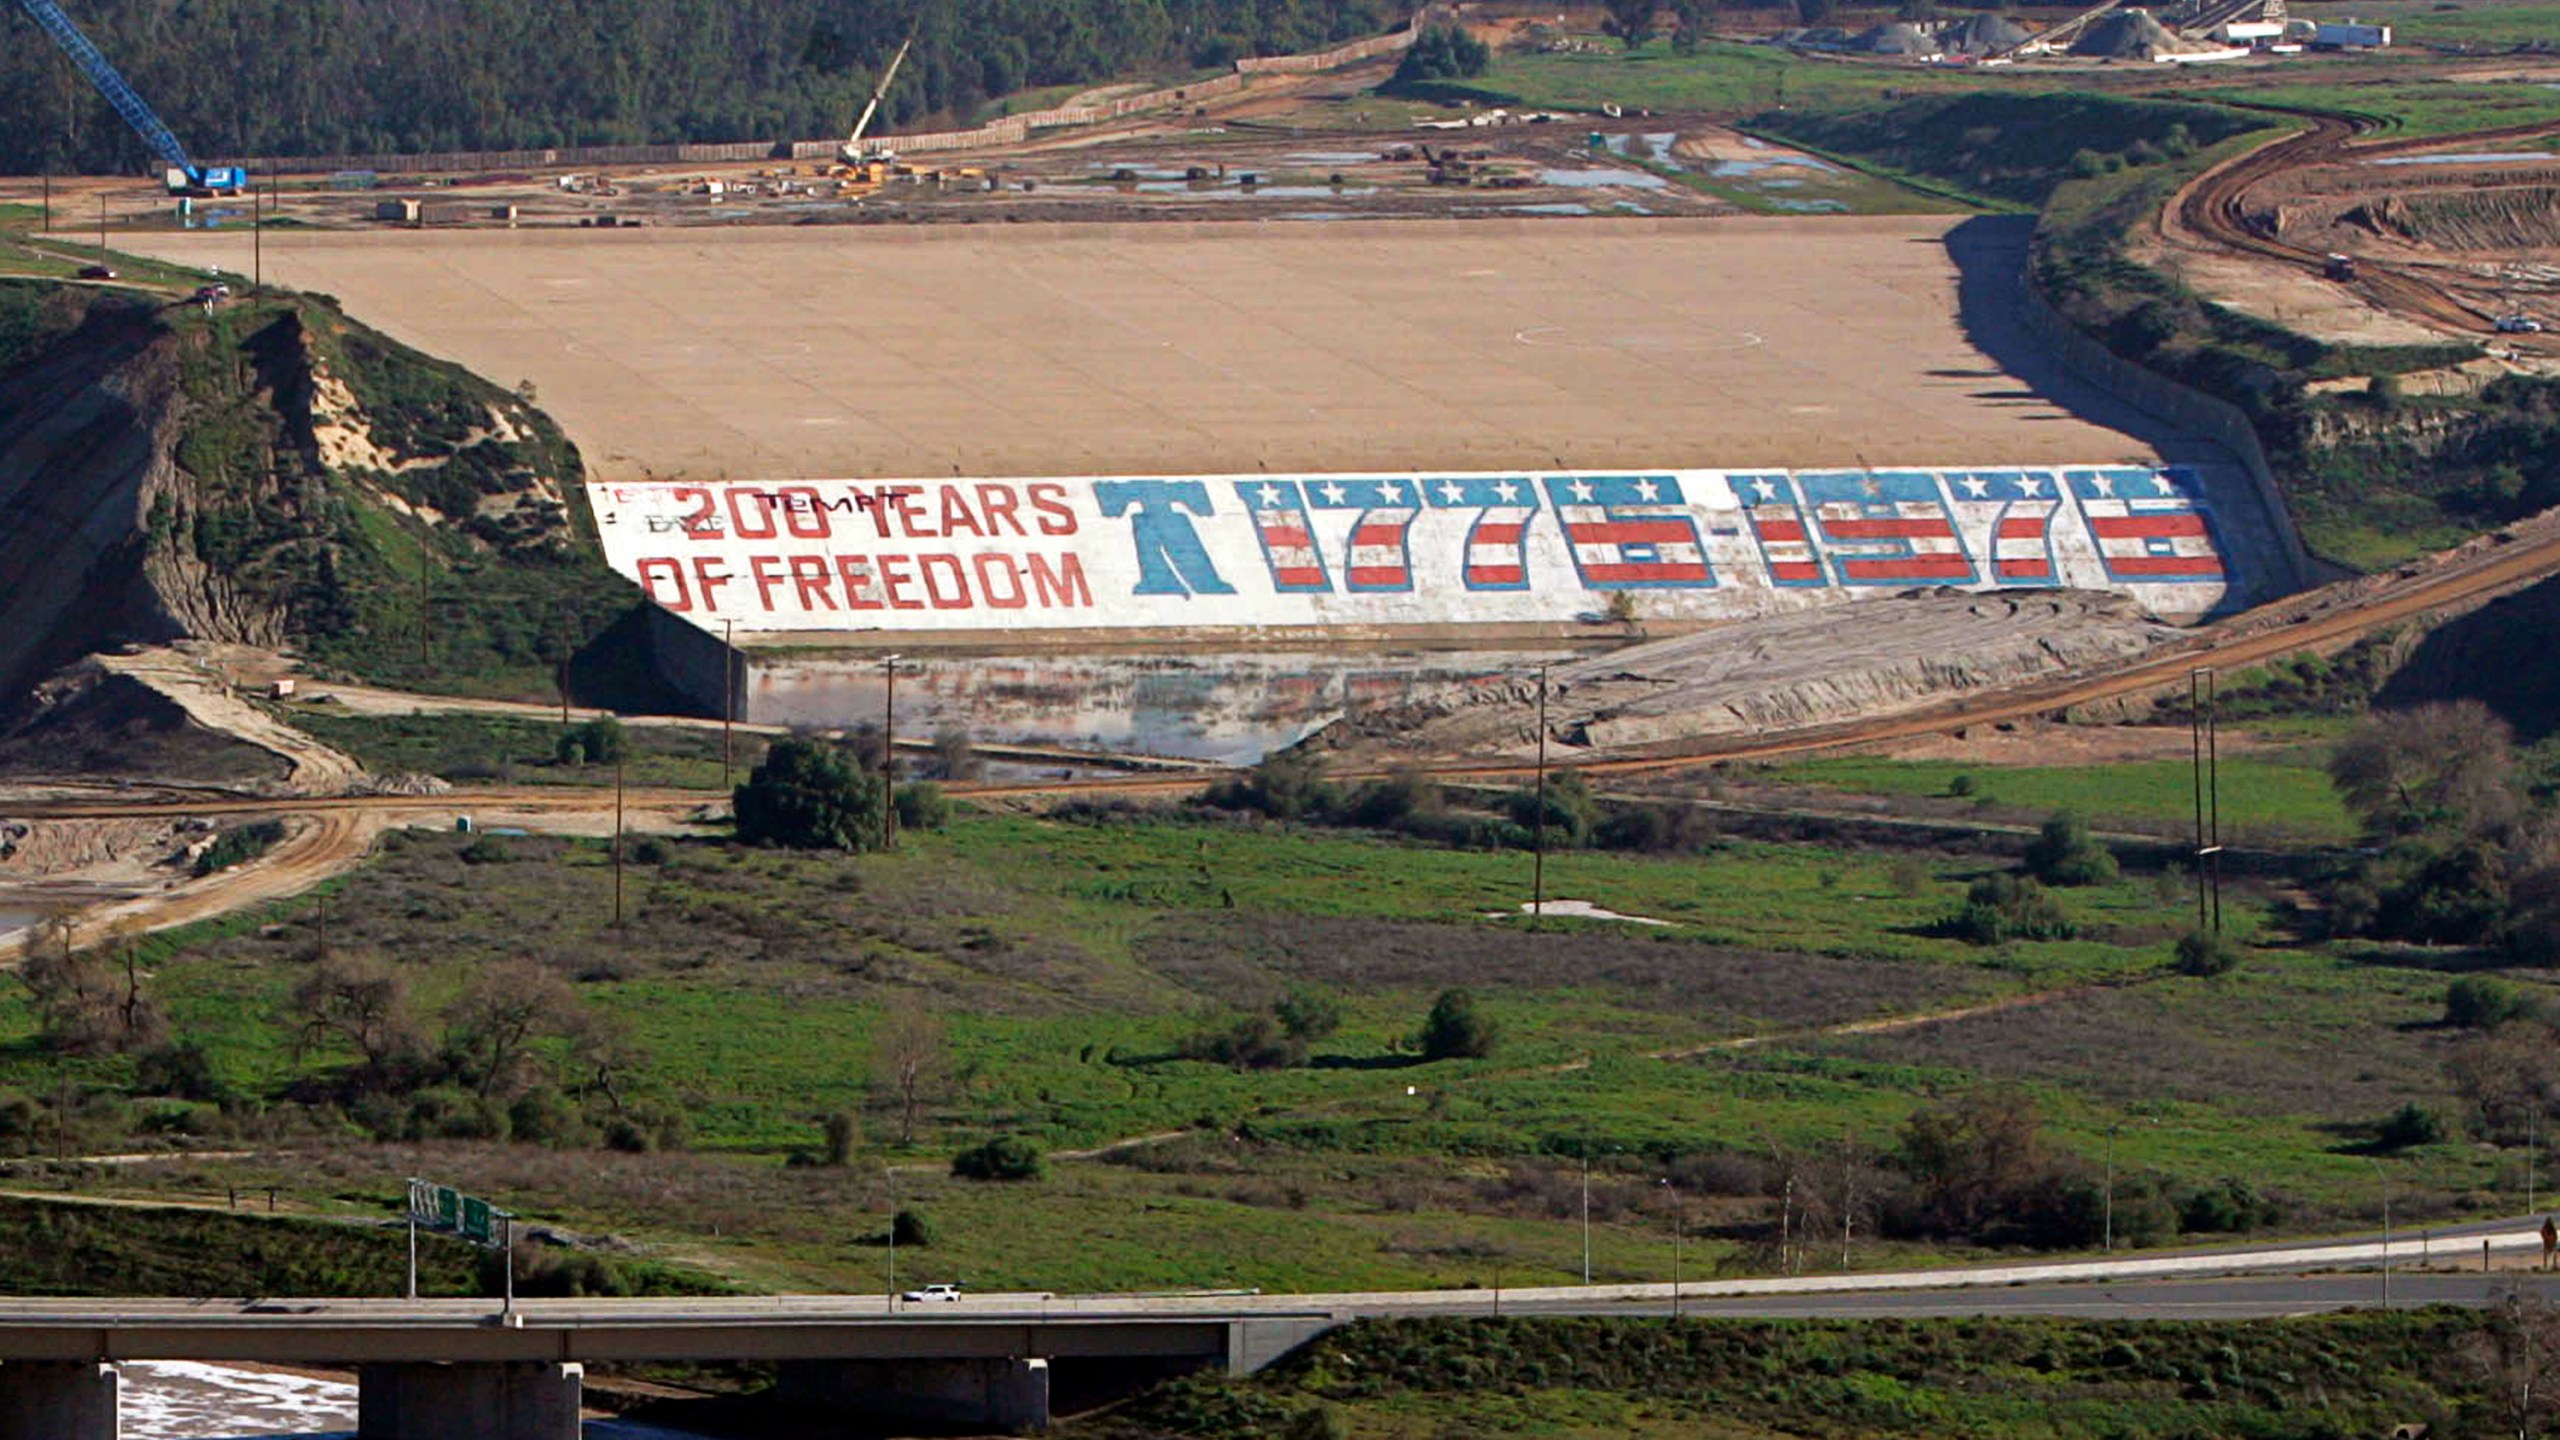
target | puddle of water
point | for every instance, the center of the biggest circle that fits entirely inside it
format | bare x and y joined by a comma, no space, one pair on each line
1318,215
1259,192
1737,169
1229,707
1632,208
1334,157
1811,207
1143,172
2477,157
1564,208
1657,148
1587,179
13,921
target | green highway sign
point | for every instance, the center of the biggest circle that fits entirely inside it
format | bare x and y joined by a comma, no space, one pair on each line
448,1211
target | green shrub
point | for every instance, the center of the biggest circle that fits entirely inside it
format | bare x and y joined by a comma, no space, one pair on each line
2064,854
1007,1157
1456,1030
923,806
912,1227
808,796
2411,1124
2482,1002
2001,908
239,846
2206,955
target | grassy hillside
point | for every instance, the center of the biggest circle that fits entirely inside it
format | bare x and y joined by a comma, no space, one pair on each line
391,516
1738,1380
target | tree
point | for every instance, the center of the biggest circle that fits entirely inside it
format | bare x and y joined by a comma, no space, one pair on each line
1308,1014
84,1003
491,1028
910,1061
357,1001
2412,1124
2430,767
2516,1357
1007,1157
954,757
1966,1157
2508,1076
1443,52
2064,854
808,796
1456,1030
841,1134
1632,22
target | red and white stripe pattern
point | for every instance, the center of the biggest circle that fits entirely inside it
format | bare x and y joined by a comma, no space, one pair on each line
1887,528
1630,532
2149,525
1497,550
1289,548
1779,528
1376,557
2014,511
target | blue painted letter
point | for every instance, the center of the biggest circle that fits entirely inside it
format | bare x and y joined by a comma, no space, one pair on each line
1171,560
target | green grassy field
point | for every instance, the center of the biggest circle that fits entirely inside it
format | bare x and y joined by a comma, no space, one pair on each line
2418,107
1071,960
515,750
2284,797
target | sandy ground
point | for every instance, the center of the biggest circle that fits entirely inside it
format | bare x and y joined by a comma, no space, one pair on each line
202,688
927,350
2293,299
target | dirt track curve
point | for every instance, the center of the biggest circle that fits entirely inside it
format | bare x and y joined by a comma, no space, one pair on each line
2213,207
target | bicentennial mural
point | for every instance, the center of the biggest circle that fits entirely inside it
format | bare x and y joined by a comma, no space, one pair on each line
1413,549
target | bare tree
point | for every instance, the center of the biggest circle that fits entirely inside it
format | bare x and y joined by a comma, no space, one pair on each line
2516,1356
491,1028
2428,767
910,1061
358,1001
85,1004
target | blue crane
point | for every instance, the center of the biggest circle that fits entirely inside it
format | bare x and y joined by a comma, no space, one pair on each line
184,174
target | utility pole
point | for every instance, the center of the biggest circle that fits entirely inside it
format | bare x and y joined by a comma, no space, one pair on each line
413,1239
257,238
617,841
1586,1210
102,223
728,698
889,1173
2111,1187
2385,1182
48,202
2204,741
1672,1187
1538,870
508,1222
889,757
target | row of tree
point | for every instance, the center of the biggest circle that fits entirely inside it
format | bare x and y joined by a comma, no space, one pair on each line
269,77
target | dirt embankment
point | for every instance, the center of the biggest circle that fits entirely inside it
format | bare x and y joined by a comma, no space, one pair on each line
1787,673
89,428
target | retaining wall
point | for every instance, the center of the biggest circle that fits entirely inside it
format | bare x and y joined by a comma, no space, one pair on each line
2216,420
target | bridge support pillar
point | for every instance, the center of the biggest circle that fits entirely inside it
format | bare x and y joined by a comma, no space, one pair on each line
480,1402
44,1401
1001,1393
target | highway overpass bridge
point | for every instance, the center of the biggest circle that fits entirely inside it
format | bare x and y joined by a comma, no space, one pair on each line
437,1369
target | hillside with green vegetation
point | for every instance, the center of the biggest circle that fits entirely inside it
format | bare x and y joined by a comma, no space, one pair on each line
267,470
247,77
2363,1374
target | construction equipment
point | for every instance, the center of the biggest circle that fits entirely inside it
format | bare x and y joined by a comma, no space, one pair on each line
185,177
852,152
2338,267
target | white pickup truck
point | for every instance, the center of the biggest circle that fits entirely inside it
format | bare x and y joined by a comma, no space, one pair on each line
931,1292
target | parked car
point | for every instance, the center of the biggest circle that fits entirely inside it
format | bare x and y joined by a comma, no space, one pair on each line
931,1293
2519,325
97,272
